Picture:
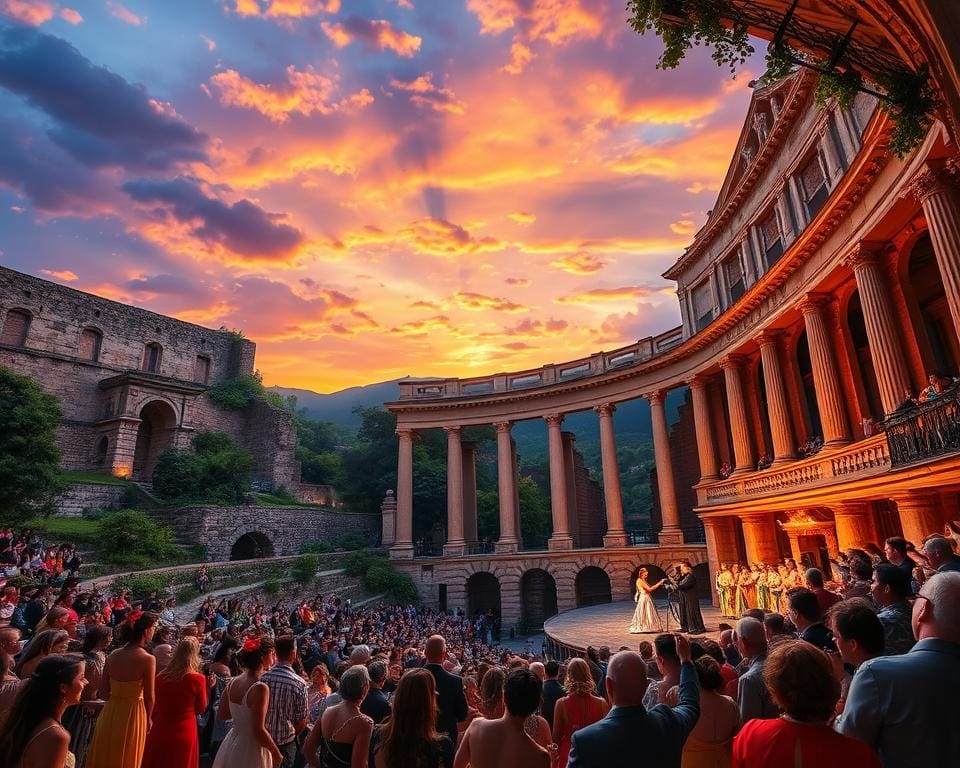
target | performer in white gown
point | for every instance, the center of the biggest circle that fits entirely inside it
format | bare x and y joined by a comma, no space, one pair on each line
645,617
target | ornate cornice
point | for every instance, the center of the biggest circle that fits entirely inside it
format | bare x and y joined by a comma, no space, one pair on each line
936,177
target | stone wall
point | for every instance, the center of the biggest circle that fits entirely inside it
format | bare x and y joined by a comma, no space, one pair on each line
309,493
281,530
78,498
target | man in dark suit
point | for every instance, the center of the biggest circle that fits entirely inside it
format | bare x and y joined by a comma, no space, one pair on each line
376,706
629,734
451,701
804,611
552,692
691,620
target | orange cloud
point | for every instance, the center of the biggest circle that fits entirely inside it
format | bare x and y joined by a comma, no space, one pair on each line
70,16
379,33
477,301
120,11
684,227
33,13
66,275
610,295
433,237
580,264
285,9
522,217
520,56
426,94
304,93
535,328
556,21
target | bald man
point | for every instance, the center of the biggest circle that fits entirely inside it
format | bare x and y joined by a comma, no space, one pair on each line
629,732
451,700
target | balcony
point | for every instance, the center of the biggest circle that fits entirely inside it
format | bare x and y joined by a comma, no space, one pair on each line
928,431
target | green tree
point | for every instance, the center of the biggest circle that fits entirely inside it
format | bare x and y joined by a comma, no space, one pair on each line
535,520
129,537
215,472
370,464
29,457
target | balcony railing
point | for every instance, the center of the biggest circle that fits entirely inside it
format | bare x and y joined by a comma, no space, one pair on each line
927,431
548,375
852,462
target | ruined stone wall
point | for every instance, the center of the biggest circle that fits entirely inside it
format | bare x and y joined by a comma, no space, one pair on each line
311,493
78,498
270,437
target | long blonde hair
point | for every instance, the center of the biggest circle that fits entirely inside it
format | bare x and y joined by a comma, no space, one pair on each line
186,658
579,680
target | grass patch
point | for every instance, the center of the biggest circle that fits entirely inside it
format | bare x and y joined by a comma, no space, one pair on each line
98,478
72,530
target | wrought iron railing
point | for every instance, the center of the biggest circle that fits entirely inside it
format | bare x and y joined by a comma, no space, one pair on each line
929,430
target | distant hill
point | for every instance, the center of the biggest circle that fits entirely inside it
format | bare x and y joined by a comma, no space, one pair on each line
630,417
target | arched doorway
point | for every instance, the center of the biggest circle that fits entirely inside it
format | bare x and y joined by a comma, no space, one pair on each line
593,587
157,424
932,322
251,546
538,593
654,574
864,360
483,594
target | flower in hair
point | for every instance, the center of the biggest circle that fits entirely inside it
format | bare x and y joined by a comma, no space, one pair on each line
134,617
251,644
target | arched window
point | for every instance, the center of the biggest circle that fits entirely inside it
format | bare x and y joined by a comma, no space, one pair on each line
15,328
152,353
90,340
100,458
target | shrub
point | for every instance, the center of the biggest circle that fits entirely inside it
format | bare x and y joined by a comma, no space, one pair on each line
383,577
217,472
141,584
351,541
357,563
305,567
316,547
271,586
236,394
129,537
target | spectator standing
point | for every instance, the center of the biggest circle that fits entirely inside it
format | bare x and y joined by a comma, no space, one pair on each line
710,743
904,706
825,598
669,664
804,611
343,734
753,698
552,691
409,736
940,554
287,711
802,683
895,550
889,589
630,733
578,709
858,634
451,701
376,706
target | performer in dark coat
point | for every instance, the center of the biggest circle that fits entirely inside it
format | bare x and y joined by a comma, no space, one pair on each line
690,618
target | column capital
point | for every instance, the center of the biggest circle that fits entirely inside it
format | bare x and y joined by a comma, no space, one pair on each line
936,176
453,430
406,433
863,253
503,426
605,410
698,381
770,337
554,419
734,362
656,397
812,303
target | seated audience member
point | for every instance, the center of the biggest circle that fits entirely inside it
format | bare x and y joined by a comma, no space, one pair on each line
552,691
804,611
940,555
889,589
858,634
802,683
503,743
753,698
630,735
825,598
904,706
711,741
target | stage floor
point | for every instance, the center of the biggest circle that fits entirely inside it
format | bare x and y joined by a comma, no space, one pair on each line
609,625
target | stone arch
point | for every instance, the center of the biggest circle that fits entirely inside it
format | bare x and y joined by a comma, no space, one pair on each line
654,574
158,423
251,545
483,593
538,596
100,451
592,586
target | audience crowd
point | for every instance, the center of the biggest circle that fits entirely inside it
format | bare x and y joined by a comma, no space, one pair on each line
859,668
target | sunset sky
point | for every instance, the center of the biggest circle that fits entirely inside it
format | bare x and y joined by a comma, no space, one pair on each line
366,188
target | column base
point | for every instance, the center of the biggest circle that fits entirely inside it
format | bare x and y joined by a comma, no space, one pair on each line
401,552
455,549
560,542
740,471
670,536
616,539
838,442
506,546
777,463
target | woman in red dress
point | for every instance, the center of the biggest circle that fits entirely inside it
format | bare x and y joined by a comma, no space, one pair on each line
800,678
578,709
181,695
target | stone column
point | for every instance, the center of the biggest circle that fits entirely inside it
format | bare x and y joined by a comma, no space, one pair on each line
558,486
403,543
570,475
508,541
777,410
796,200
721,547
470,494
388,518
826,379
786,218
920,515
701,418
760,538
747,260
670,533
516,493
739,426
853,521
936,189
893,378
123,446
455,544
834,166
795,550
616,534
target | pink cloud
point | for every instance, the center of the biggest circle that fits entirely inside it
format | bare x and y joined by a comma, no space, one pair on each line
33,13
425,94
70,16
377,33
125,14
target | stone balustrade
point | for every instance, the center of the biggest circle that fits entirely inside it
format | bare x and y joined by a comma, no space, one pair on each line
852,462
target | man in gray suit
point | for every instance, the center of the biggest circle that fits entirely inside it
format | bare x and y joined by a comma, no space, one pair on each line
630,735
753,698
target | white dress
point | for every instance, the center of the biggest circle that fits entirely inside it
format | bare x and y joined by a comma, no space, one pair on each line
240,749
645,616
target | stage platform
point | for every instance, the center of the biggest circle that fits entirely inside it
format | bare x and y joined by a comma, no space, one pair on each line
609,624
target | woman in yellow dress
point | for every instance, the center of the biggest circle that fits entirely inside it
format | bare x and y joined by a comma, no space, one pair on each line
127,687
725,590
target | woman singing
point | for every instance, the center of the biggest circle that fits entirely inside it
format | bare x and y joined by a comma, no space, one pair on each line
645,616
